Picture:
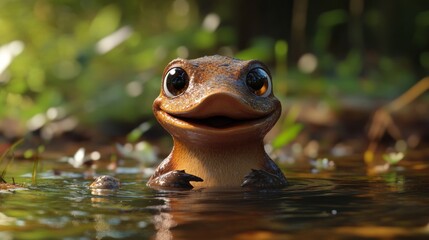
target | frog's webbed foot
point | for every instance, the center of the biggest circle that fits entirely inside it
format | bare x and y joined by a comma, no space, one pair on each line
263,179
177,179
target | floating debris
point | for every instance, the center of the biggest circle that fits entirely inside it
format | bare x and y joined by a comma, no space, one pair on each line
322,164
11,188
105,182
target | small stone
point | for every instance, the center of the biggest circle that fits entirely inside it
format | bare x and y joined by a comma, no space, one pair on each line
105,182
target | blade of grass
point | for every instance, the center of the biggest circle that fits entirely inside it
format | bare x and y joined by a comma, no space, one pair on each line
2,180
11,148
34,173
3,173
3,157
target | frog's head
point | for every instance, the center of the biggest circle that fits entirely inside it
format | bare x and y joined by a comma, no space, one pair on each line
216,100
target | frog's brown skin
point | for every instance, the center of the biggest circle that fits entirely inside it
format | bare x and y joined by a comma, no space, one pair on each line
218,124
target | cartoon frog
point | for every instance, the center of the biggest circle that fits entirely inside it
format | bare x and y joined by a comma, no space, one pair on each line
218,110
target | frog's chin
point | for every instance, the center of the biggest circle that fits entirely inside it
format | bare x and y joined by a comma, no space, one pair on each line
217,130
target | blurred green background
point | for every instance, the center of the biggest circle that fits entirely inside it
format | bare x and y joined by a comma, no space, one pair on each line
70,63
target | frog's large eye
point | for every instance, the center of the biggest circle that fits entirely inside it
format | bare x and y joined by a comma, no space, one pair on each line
176,81
259,82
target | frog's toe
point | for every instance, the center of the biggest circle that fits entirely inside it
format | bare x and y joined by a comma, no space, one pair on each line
177,179
263,179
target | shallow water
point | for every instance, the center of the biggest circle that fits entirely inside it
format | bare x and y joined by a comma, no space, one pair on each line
343,204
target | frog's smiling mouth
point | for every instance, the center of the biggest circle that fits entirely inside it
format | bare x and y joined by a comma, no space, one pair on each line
215,121
218,122
216,125
217,112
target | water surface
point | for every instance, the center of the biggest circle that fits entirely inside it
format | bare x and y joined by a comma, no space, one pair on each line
346,203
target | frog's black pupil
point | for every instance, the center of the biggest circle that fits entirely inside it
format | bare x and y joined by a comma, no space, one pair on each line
177,81
256,79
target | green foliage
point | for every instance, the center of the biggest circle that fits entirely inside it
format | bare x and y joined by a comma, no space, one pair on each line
105,22
393,158
101,61
136,133
326,23
64,61
289,129
261,48
287,135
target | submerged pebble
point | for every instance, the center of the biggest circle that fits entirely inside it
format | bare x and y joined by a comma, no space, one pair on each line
105,182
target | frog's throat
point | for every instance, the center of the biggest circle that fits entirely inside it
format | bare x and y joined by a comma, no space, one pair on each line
218,167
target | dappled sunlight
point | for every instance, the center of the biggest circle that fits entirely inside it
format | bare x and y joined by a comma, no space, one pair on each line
8,52
113,40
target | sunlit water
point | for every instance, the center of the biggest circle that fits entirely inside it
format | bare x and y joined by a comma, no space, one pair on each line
341,204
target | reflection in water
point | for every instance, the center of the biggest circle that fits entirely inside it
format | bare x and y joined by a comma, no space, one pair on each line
163,220
105,225
310,208
163,223
223,213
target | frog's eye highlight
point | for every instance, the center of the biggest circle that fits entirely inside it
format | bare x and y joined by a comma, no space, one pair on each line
176,81
259,82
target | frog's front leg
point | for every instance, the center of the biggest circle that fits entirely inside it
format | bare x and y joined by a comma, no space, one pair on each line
262,179
175,179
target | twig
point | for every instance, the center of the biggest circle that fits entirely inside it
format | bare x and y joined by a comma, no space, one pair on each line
382,120
415,91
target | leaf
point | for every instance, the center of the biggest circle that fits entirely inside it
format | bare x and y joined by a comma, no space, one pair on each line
136,133
393,157
287,135
106,21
